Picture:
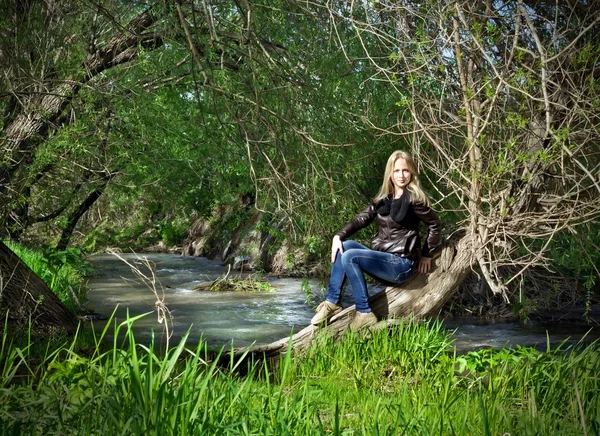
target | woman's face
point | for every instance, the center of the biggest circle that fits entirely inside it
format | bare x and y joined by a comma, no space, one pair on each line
401,175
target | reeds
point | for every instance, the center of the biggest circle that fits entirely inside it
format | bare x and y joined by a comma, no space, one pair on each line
406,380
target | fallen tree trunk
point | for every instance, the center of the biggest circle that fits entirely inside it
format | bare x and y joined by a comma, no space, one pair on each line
421,297
25,297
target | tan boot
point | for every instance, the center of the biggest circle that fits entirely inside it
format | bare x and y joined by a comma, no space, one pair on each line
325,311
362,320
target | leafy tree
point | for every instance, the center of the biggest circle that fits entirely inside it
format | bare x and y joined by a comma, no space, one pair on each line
111,103
499,103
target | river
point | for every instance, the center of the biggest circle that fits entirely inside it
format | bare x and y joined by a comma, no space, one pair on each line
245,318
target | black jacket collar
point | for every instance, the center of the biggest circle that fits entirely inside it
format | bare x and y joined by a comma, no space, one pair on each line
395,207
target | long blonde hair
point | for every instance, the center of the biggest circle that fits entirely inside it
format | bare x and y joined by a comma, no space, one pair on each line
414,186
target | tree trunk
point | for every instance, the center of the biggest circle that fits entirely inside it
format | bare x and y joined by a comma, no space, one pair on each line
24,296
420,297
74,217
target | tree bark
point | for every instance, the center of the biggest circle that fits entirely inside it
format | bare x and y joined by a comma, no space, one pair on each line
421,297
25,297
75,216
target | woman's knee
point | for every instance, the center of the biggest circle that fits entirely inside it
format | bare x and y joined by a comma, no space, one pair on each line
350,256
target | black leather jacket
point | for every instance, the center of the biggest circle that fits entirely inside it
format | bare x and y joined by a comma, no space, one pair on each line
399,221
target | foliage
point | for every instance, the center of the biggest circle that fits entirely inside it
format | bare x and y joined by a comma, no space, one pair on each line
580,255
63,271
308,292
404,380
312,297
175,145
298,105
172,232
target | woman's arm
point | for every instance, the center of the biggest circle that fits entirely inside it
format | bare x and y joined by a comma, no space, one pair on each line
360,221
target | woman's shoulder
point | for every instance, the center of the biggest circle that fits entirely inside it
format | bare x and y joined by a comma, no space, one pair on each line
419,203
381,205
419,200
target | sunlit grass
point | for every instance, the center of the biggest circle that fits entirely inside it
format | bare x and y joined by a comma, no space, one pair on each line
403,381
63,271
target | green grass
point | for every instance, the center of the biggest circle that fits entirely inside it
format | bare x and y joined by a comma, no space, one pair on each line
403,381
63,271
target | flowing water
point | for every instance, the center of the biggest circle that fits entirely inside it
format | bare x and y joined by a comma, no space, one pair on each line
244,318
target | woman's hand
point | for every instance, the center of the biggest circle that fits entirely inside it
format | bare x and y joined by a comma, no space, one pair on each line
424,265
335,246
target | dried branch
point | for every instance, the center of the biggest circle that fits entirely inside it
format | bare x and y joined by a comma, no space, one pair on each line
152,282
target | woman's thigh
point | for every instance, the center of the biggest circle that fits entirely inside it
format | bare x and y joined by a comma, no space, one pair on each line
353,245
380,265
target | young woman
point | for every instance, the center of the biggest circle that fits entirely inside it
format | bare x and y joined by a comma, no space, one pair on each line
400,206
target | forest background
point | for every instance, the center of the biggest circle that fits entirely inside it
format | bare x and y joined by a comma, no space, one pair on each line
123,123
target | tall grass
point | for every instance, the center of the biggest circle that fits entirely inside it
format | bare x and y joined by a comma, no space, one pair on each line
63,271
403,381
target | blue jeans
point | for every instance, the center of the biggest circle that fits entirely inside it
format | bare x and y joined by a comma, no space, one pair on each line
358,259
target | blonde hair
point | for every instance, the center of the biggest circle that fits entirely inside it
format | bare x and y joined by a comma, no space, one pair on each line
414,186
